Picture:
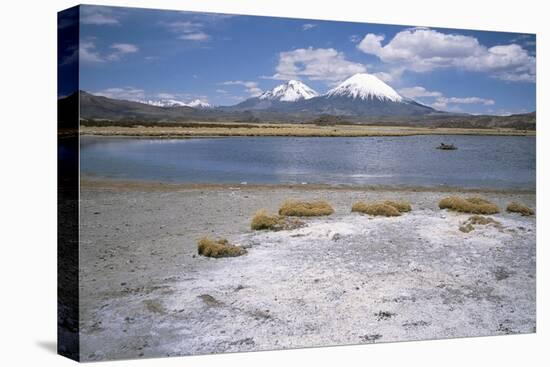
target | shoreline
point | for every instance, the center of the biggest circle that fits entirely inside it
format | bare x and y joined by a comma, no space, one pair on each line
145,291
109,184
289,130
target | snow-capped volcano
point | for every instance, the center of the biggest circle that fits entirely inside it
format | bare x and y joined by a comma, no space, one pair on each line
291,91
197,103
359,95
366,87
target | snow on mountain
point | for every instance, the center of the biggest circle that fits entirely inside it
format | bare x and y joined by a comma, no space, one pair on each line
197,103
365,87
291,91
163,102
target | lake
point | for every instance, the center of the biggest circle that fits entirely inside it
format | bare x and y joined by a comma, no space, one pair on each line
502,162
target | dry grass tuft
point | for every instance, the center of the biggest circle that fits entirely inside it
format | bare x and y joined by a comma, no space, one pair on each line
295,208
218,248
474,205
515,207
380,209
474,220
401,206
264,221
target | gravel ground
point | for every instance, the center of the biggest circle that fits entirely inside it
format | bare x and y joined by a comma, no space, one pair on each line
343,279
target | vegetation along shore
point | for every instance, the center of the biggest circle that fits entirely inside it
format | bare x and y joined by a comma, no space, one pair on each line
207,129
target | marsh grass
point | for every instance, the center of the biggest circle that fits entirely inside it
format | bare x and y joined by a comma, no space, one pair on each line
296,208
515,207
262,220
470,223
473,205
218,248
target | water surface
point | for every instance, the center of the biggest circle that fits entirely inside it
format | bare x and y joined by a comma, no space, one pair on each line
503,162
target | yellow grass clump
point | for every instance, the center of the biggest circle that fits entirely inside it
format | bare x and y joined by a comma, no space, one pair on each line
296,208
474,205
218,248
378,209
264,221
400,205
474,220
515,207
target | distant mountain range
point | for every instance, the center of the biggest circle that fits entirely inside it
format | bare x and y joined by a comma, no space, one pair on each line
359,96
197,103
362,98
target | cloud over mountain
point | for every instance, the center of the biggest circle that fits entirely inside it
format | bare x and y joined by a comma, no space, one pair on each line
441,102
251,87
324,64
423,50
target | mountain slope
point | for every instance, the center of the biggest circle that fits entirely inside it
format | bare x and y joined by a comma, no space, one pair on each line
318,110
279,99
361,95
94,107
347,106
290,91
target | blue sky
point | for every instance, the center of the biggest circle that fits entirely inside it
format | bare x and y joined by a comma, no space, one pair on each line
150,54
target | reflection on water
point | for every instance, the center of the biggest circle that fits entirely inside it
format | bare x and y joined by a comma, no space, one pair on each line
479,162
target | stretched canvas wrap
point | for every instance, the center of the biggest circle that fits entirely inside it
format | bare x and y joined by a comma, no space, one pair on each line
233,183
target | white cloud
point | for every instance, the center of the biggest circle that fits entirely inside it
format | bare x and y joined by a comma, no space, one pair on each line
464,100
326,64
127,93
527,40
251,87
354,38
441,102
166,96
416,92
308,26
391,76
97,15
444,102
124,48
199,36
189,31
121,49
422,50
88,52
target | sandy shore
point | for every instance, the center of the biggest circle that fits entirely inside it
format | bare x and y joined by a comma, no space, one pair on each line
342,279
